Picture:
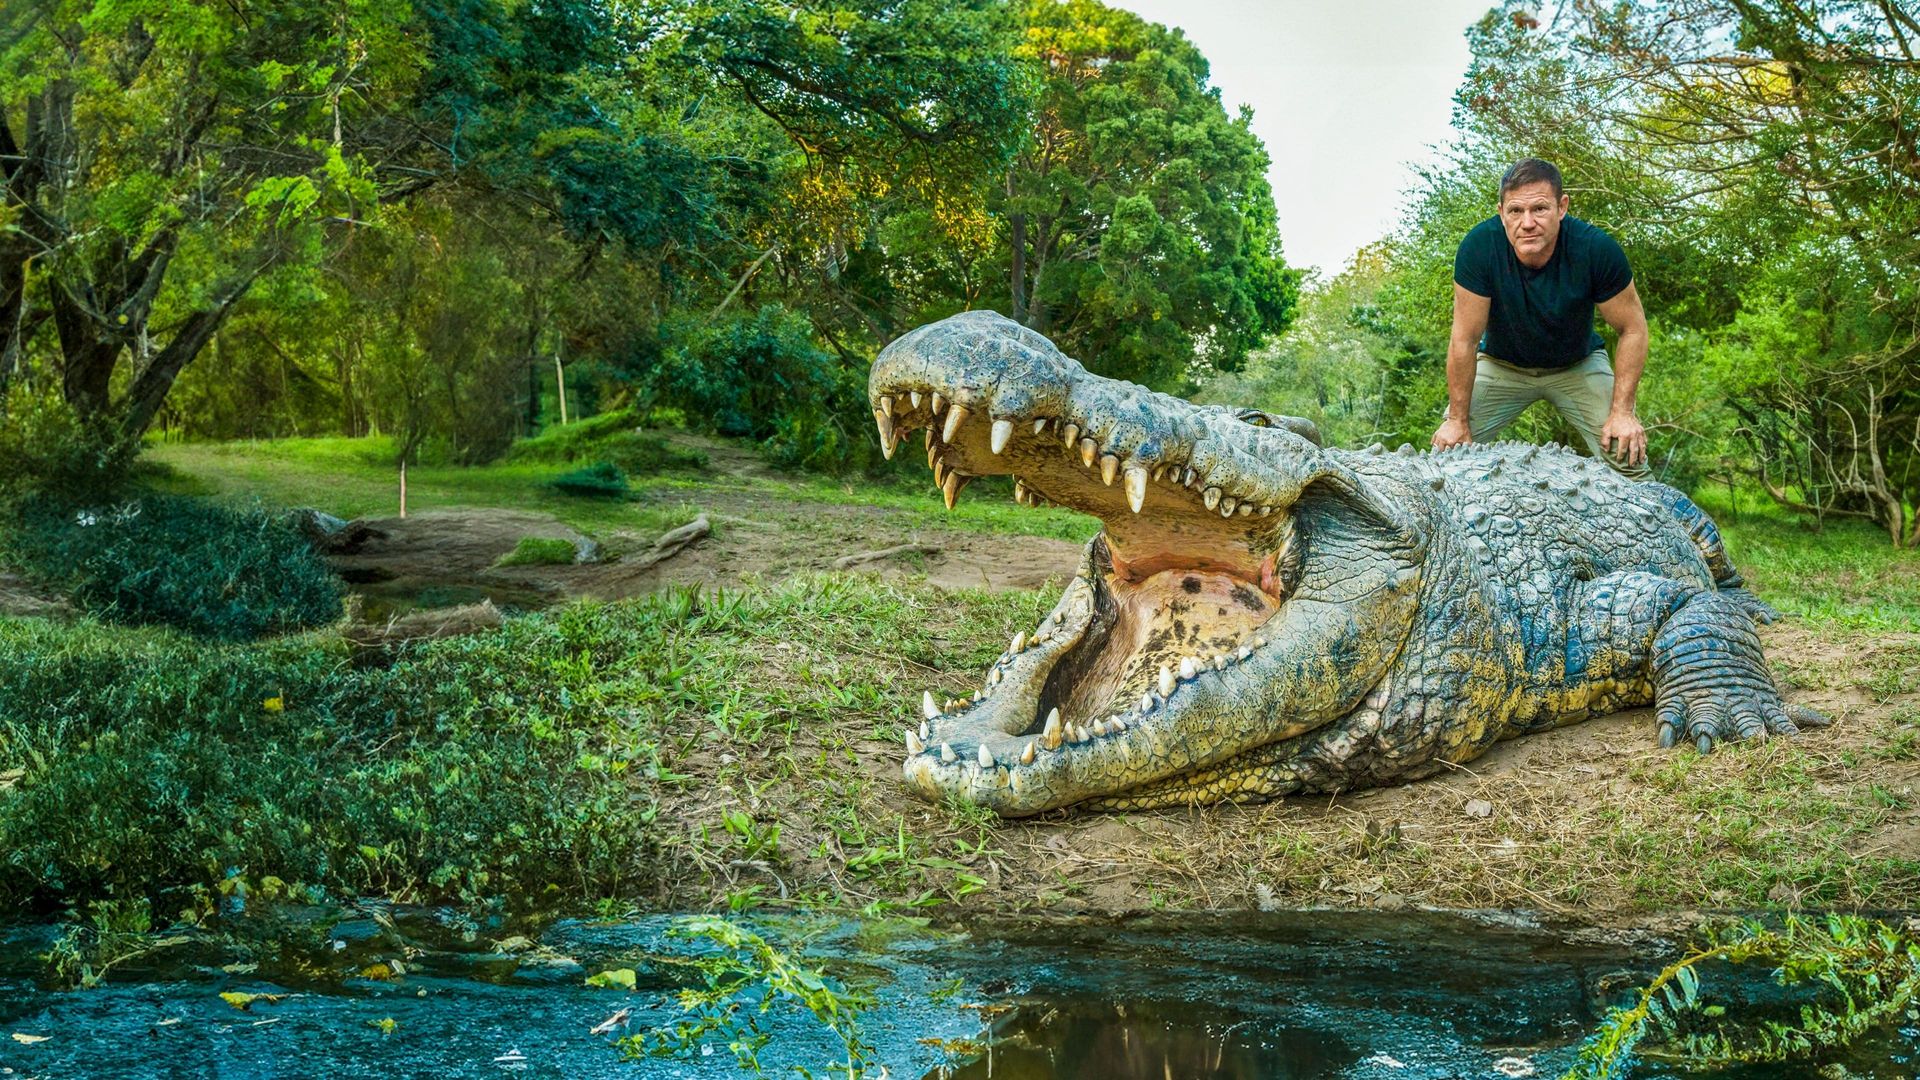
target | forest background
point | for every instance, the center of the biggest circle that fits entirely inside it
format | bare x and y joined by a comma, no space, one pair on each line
234,220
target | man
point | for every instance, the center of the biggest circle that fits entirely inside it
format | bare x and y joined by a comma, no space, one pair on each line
1525,285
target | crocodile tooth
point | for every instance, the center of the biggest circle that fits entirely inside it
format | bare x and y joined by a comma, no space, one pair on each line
1020,491
1040,425
1246,509
1212,498
1265,510
1019,642
886,404
951,703
913,396
955,417
993,677
933,455
1220,661
1189,477
1136,487
1166,681
1116,724
926,731
1158,471
939,404
986,757
885,423
952,487
927,708
1001,435
1099,729
1242,654
1071,436
1109,468
914,745
1026,754
1227,505
1088,449
939,472
1146,703
1050,735
1259,642
1188,669
946,753
1080,733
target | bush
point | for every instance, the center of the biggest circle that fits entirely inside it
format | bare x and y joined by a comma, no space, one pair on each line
539,551
601,480
610,437
157,766
210,570
44,451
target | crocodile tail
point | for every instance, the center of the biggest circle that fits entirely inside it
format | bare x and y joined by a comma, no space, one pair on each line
1706,537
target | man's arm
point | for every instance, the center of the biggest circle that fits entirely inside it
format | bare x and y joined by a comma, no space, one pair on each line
1463,351
1623,428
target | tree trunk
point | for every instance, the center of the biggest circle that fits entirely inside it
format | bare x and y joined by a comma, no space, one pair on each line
1018,242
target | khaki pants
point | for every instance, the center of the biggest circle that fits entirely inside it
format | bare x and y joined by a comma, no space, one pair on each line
1582,392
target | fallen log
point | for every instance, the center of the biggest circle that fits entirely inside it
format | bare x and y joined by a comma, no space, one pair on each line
671,544
848,562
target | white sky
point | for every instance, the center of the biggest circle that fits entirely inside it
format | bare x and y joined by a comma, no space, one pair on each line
1345,93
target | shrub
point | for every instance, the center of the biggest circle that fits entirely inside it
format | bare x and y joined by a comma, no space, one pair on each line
601,480
539,551
610,437
211,570
159,767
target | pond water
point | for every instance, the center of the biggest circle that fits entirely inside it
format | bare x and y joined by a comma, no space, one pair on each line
1289,996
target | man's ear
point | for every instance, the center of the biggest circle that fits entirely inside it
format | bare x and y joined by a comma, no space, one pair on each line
1564,202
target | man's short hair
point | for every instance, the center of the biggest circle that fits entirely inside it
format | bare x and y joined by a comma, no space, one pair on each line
1530,171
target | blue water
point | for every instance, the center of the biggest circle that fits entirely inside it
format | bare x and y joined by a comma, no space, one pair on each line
1288,996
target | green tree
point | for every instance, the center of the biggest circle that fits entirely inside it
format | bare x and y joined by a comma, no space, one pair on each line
1141,226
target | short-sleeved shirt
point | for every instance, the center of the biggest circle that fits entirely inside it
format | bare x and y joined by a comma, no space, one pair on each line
1541,318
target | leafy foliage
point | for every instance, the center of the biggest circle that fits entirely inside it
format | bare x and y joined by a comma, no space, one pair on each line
601,480
210,570
743,980
1867,974
539,551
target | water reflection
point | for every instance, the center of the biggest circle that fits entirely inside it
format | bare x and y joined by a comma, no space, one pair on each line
1155,1041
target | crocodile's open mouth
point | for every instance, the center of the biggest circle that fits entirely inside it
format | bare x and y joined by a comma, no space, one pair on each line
1170,600
1248,588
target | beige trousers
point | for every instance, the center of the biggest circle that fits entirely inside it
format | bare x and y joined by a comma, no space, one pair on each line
1583,393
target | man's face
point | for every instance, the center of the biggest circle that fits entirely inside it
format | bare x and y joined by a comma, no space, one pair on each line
1531,216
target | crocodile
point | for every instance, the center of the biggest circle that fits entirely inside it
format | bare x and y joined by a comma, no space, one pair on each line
1261,615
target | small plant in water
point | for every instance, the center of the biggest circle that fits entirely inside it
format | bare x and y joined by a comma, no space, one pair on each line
742,983
113,932
1866,973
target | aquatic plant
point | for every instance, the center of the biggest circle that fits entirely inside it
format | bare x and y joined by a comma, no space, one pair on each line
741,983
1865,974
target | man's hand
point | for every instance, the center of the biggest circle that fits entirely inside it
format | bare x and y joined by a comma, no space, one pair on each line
1622,436
1454,433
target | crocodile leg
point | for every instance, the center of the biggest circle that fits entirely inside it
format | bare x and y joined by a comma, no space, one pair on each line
1711,682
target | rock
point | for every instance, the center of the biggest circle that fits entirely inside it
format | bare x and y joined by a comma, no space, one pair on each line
586,550
1479,808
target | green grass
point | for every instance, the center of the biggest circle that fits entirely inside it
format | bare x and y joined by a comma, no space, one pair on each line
633,750
539,551
1846,574
353,478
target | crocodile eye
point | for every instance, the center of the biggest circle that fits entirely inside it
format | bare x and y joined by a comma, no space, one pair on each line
1255,417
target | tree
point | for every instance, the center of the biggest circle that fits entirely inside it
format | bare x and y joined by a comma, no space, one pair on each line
1141,226
158,159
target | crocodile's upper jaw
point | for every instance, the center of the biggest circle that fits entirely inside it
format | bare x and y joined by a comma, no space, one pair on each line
1198,626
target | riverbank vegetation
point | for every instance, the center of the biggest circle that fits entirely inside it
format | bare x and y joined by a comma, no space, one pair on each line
623,267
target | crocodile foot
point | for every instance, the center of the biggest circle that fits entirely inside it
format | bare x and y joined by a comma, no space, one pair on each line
1711,681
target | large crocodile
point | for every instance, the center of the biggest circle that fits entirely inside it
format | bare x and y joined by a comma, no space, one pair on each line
1262,615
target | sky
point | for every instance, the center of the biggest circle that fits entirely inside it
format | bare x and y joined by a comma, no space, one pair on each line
1347,94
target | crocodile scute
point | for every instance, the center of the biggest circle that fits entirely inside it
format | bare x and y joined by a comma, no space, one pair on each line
1261,615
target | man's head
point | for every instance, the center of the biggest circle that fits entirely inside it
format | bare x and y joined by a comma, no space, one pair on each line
1532,203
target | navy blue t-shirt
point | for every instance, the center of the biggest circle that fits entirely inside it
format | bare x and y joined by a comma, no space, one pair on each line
1541,318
